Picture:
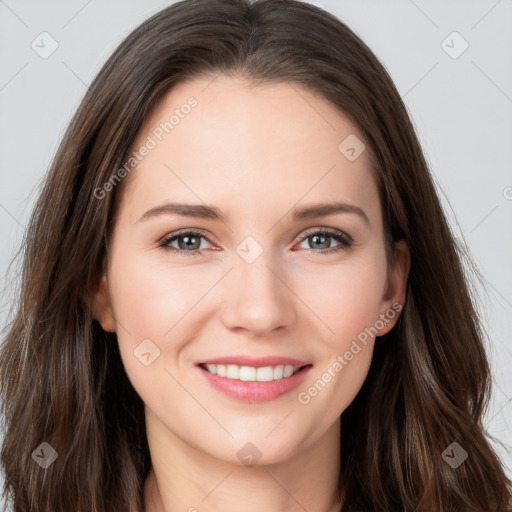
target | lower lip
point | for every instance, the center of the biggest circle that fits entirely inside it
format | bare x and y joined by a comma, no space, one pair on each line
255,391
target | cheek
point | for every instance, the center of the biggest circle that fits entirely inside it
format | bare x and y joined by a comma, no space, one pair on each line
350,307
151,305
151,297
345,299
344,356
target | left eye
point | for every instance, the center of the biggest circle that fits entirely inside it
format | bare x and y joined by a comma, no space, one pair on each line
319,236
189,242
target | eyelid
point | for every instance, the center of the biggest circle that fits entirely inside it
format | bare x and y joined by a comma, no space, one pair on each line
166,239
299,238
333,231
345,241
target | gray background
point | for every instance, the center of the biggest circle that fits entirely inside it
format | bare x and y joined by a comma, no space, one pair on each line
460,104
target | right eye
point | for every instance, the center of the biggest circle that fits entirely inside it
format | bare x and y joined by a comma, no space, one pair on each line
189,243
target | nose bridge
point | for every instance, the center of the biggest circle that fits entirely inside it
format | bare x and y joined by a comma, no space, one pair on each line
258,299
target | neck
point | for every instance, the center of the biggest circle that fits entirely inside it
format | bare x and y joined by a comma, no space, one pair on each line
183,478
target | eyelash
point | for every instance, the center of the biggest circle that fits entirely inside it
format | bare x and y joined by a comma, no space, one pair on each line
345,241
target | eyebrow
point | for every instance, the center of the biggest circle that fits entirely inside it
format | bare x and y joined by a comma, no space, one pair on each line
204,211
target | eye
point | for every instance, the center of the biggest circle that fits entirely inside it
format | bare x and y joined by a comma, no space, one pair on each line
189,242
323,237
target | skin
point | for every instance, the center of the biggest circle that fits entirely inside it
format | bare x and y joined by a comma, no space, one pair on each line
256,153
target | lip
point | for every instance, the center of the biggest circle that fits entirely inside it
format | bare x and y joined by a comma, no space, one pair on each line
254,392
255,362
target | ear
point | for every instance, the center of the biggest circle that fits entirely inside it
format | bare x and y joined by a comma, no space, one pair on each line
101,306
395,291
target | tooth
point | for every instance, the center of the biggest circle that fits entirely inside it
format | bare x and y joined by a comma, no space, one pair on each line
247,373
212,368
265,374
288,370
232,371
278,372
251,374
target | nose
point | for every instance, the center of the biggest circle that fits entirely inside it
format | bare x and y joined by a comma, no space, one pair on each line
259,299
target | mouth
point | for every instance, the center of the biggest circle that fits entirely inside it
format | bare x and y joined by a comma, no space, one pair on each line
253,384
251,373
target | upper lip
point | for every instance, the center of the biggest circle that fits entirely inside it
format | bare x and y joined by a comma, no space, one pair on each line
255,362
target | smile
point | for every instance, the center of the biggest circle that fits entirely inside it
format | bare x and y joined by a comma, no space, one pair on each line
250,373
251,384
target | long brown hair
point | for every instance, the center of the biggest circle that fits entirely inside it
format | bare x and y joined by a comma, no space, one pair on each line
62,378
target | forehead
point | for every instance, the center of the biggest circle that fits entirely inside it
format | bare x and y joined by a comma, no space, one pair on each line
227,142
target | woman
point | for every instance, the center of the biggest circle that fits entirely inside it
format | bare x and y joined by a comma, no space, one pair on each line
256,372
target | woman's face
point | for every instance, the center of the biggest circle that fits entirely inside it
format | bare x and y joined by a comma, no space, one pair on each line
254,280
